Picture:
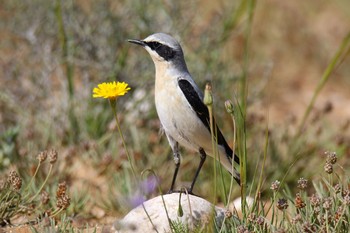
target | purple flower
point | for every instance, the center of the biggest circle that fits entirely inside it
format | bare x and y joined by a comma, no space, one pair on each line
137,199
145,188
149,185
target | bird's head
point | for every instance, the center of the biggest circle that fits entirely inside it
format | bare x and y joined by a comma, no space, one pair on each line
163,49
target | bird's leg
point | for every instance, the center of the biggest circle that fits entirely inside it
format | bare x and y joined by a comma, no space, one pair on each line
203,157
177,166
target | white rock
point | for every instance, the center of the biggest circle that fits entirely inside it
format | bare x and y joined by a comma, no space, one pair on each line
237,204
196,212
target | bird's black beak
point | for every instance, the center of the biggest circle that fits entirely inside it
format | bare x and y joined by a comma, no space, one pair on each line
138,42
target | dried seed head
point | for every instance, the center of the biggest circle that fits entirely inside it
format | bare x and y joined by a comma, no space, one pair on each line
275,185
242,229
251,217
3,184
346,200
328,168
282,204
308,227
42,156
317,210
228,214
45,198
302,183
299,203
296,219
63,202
17,183
325,219
53,156
339,213
61,190
346,192
315,200
327,203
331,157
260,220
11,176
229,106
337,188
15,180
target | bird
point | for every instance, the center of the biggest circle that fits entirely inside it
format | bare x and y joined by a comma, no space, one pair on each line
179,104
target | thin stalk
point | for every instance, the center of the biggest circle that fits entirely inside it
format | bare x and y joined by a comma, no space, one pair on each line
282,182
216,152
342,52
210,109
162,196
243,105
273,208
208,101
244,86
263,163
65,48
149,217
233,154
62,35
56,212
143,206
112,102
242,151
229,109
43,184
32,179
190,207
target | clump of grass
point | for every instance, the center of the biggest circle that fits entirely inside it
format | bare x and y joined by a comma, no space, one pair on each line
63,224
323,208
7,146
17,199
327,209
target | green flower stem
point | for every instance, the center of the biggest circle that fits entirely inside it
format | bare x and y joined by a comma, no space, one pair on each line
56,212
160,191
208,101
69,66
42,186
31,180
112,102
229,108
210,109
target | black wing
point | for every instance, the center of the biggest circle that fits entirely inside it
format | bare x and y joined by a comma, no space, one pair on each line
202,112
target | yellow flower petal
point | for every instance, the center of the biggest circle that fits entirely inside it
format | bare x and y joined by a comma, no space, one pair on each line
110,90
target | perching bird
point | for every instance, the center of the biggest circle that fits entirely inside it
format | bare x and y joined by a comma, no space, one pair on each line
179,103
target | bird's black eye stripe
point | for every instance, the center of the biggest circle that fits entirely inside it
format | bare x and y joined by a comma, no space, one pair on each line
154,45
164,51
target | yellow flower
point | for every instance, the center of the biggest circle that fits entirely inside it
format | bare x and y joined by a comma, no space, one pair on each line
110,90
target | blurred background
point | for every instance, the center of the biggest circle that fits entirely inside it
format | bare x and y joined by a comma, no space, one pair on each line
52,54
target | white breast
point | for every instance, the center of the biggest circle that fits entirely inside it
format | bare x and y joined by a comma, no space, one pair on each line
177,116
